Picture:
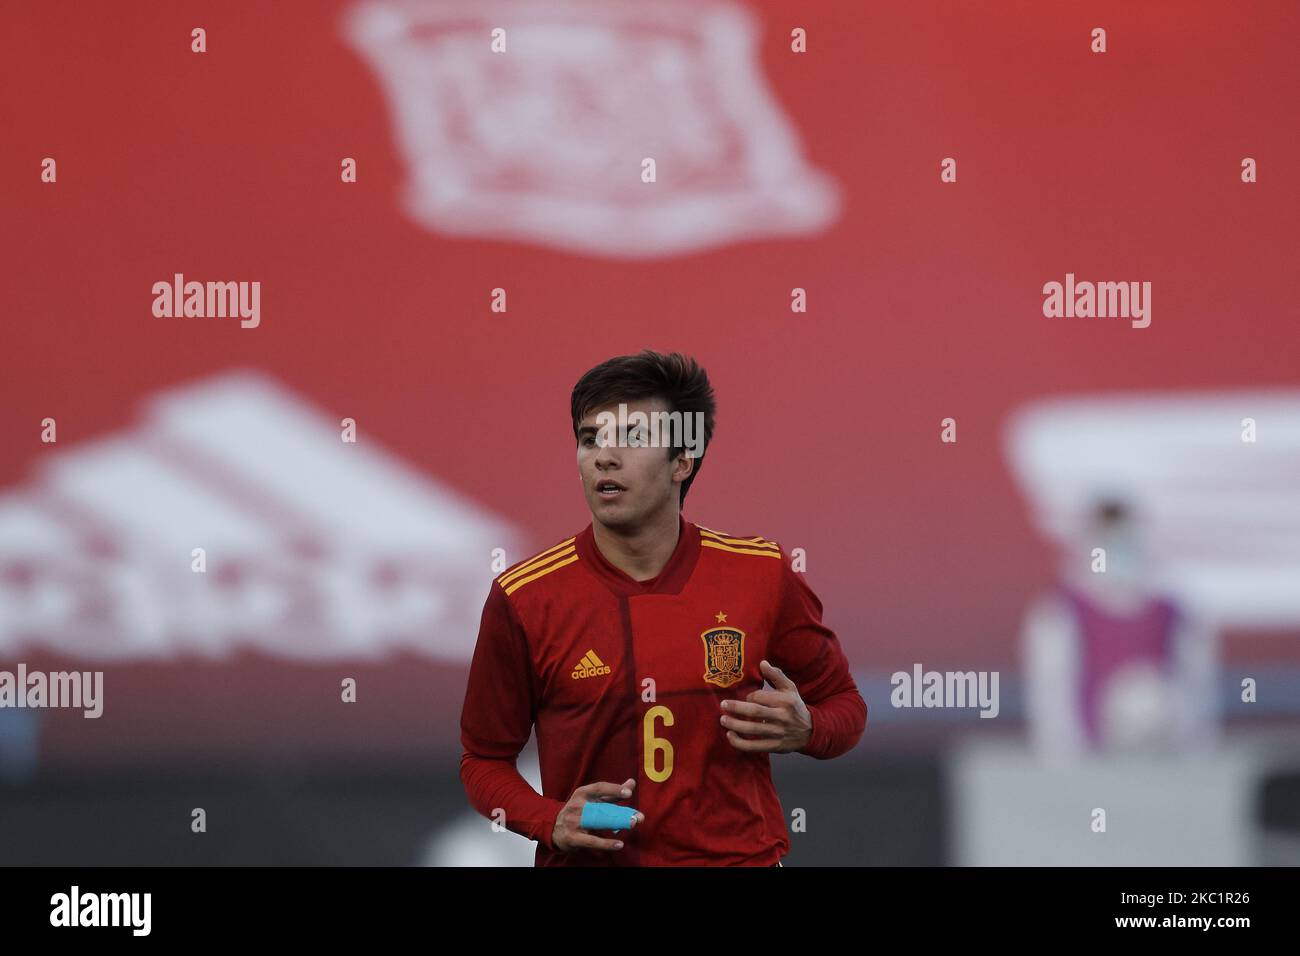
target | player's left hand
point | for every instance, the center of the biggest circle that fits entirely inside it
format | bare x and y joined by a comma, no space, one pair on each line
777,720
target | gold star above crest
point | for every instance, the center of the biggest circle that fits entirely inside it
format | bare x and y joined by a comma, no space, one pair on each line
721,617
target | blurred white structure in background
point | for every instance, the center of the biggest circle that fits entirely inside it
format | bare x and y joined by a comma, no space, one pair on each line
1007,808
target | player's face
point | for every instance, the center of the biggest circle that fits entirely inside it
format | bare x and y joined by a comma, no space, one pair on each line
627,480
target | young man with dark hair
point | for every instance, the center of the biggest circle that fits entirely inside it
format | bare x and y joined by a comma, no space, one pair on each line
639,648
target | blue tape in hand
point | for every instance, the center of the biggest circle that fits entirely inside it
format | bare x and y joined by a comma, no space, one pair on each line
606,816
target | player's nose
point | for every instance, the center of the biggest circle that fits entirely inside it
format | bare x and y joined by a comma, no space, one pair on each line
607,454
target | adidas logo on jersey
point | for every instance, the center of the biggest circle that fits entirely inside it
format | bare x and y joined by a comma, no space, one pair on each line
590,666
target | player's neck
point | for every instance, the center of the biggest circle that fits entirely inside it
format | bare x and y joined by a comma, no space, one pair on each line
642,553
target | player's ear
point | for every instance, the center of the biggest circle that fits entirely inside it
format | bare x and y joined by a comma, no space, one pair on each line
689,465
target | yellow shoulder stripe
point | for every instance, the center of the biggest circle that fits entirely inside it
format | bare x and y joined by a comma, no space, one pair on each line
543,572
708,534
537,560
722,547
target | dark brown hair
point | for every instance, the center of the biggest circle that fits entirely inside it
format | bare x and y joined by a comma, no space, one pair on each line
678,380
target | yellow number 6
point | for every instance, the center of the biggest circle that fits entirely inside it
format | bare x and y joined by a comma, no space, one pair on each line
655,744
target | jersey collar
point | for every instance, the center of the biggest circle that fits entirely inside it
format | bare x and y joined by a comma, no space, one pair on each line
670,580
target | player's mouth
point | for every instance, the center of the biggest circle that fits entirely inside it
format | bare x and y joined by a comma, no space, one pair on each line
608,489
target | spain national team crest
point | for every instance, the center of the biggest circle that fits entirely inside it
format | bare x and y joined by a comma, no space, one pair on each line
724,655
543,122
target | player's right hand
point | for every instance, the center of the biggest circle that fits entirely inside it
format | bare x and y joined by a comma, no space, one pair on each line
568,835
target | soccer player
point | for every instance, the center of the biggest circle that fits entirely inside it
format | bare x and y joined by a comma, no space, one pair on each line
639,650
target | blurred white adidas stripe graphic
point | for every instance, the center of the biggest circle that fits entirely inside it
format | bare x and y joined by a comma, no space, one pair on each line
1220,516
316,548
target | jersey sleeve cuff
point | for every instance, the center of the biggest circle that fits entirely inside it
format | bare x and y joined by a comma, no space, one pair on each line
545,826
816,745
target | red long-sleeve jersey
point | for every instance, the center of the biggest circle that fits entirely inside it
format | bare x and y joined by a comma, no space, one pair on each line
625,679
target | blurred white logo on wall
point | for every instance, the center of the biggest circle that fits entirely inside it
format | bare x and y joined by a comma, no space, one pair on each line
544,140
315,548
